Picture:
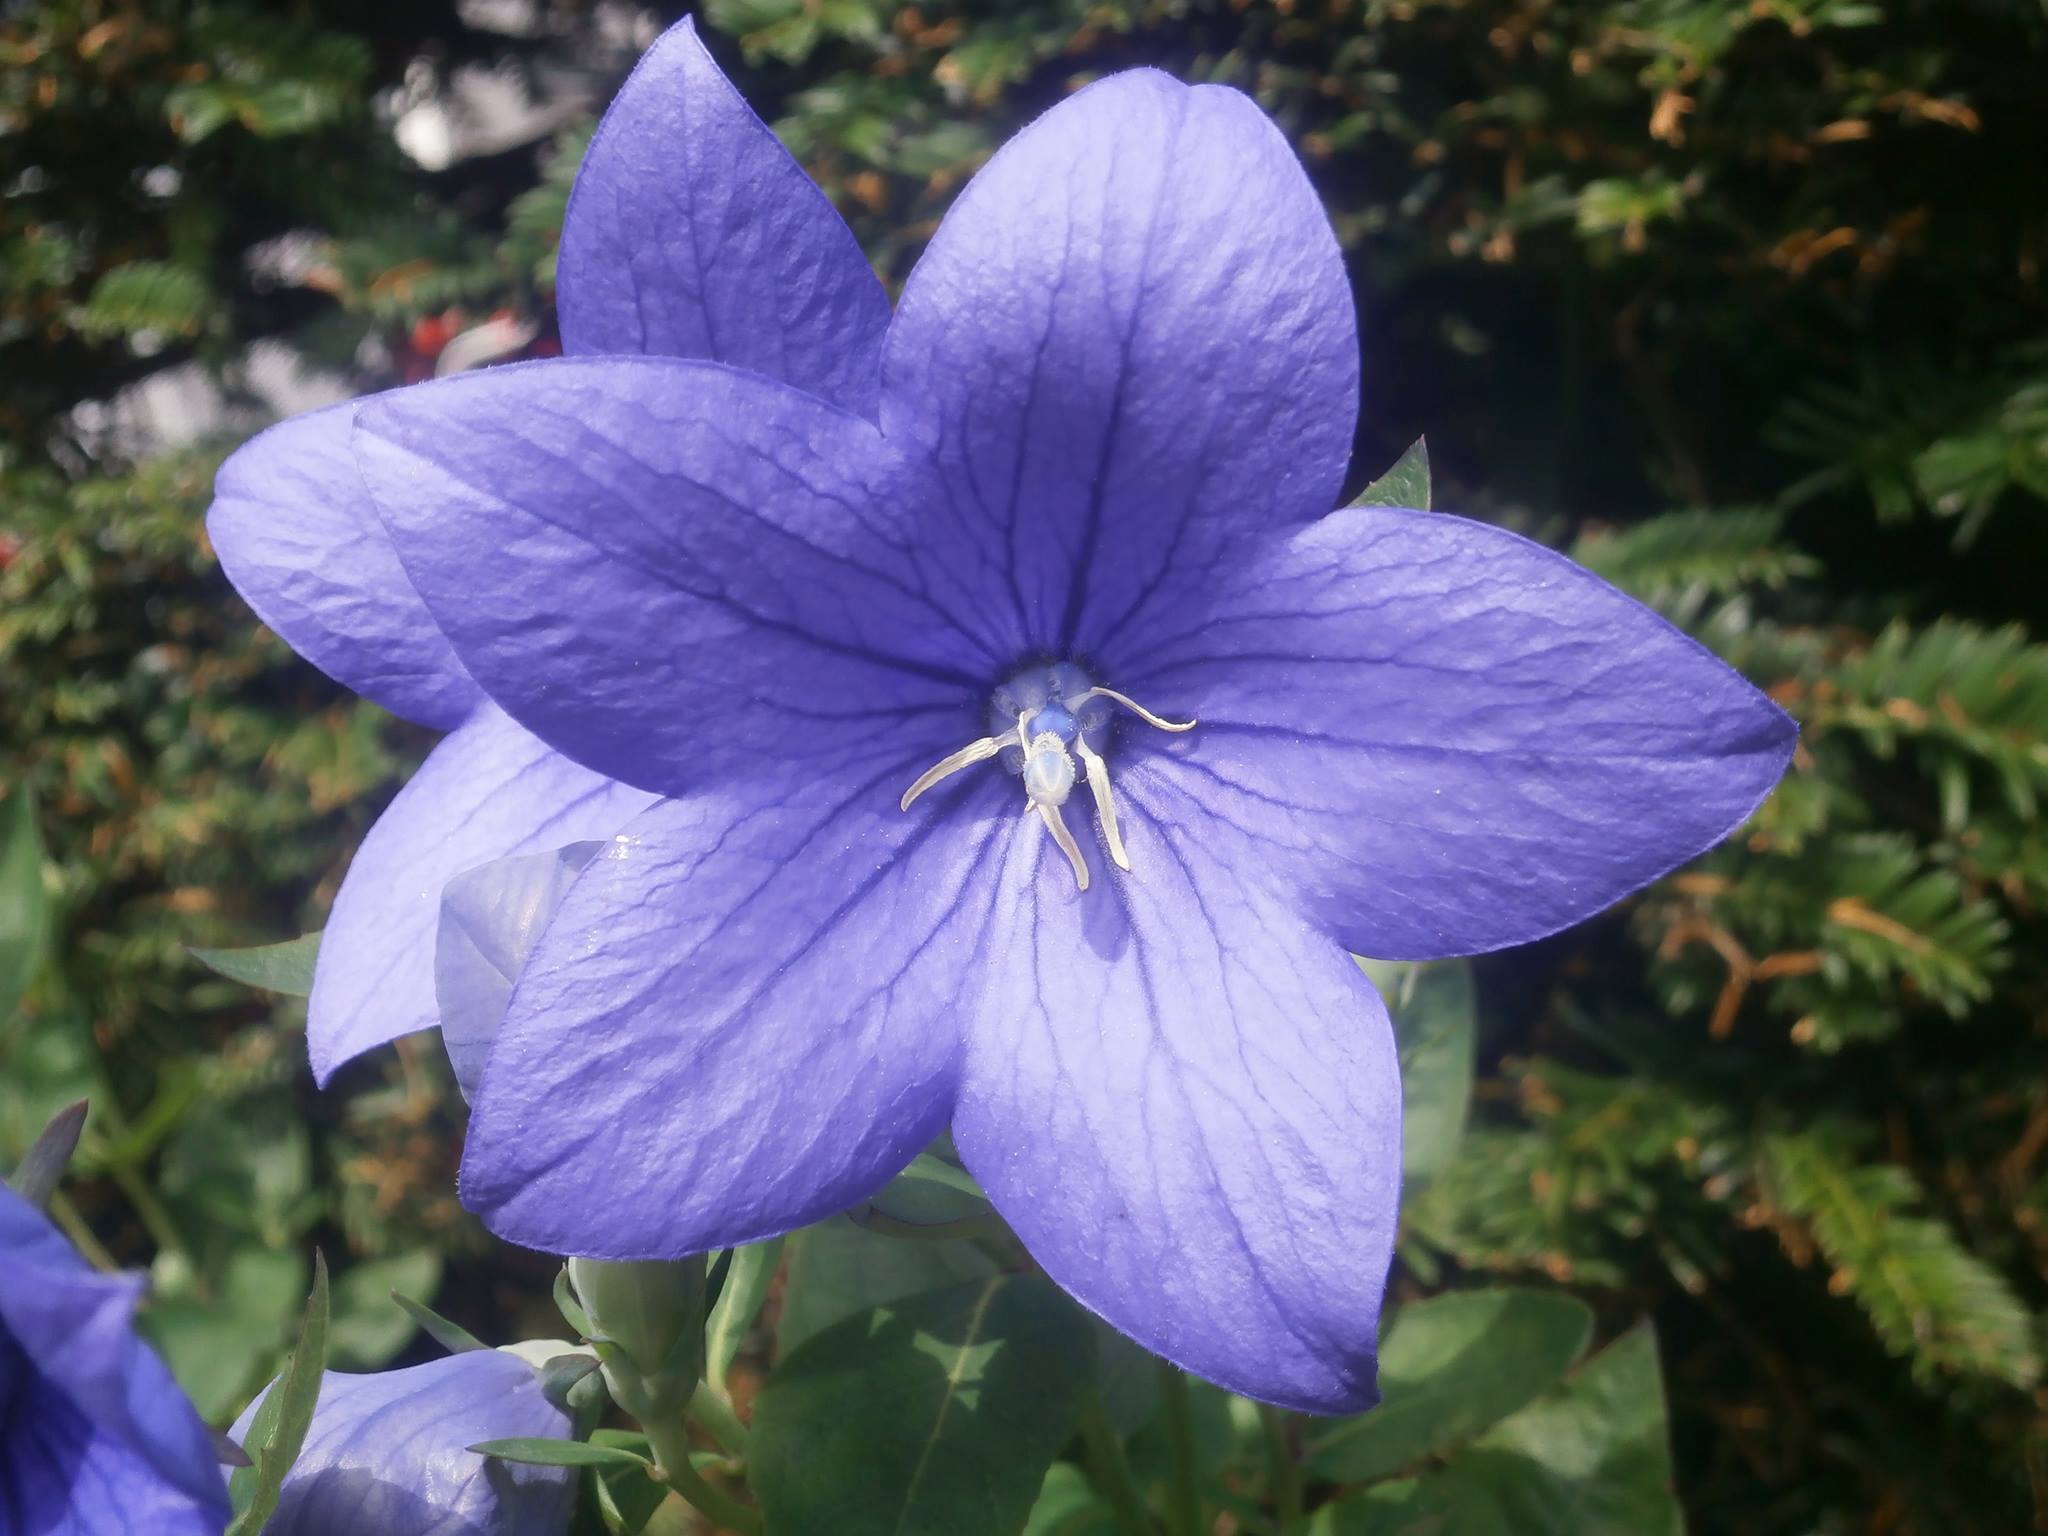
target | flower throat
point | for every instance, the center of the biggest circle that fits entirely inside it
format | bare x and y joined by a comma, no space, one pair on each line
1039,722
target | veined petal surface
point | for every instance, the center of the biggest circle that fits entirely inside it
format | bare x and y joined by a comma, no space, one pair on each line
299,537
1130,352
742,1018
691,232
489,790
1185,1099
1449,739
672,572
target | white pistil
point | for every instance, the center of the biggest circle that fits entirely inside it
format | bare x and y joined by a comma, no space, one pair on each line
1047,768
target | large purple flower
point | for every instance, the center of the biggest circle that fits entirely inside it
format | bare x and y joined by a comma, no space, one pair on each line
95,1437
1022,744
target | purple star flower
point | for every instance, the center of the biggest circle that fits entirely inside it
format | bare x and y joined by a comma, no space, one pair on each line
389,1452
1022,739
95,1437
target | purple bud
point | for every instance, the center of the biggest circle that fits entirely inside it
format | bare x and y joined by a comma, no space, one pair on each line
389,1452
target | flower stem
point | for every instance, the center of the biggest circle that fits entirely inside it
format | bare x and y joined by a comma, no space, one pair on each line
1108,1469
1283,1476
711,1410
1184,1499
671,1447
65,1214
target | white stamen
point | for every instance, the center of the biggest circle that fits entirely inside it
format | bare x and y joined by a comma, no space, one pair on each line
974,752
1105,802
1057,826
1144,714
1050,698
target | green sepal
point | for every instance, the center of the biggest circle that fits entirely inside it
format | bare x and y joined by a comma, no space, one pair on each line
570,1308
1406,484
538,1451
278,1432
747,1279
453,1337
35,1179
285,967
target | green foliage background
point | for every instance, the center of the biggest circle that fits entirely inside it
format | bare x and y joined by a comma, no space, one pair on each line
1740,304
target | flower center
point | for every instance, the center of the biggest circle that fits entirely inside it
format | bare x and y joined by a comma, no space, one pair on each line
1039,722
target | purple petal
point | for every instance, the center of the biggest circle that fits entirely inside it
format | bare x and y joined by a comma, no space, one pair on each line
1186,1102
390,1453
487,791
490,920
742,1019
692,233
1451,739
300,538
1130,350
671,571
94,1433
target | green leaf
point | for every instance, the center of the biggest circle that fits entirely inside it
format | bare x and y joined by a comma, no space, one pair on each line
739,1302
24,902
1928,1296
1449,1367
1406,484
1068,1506
1591,1459
42,1166
453,1337
286,967
836,1270
369,1327
220,1345
534,1451
628,1500
279,1428
47,1061
1435,1025
929,1417
247,1167
931,1190
138,296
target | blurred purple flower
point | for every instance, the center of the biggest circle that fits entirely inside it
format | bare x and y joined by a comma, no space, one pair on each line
95,1437
1114,410
389,1453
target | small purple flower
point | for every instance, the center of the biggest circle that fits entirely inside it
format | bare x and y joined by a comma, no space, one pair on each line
1021,739
95,1437
389,1453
